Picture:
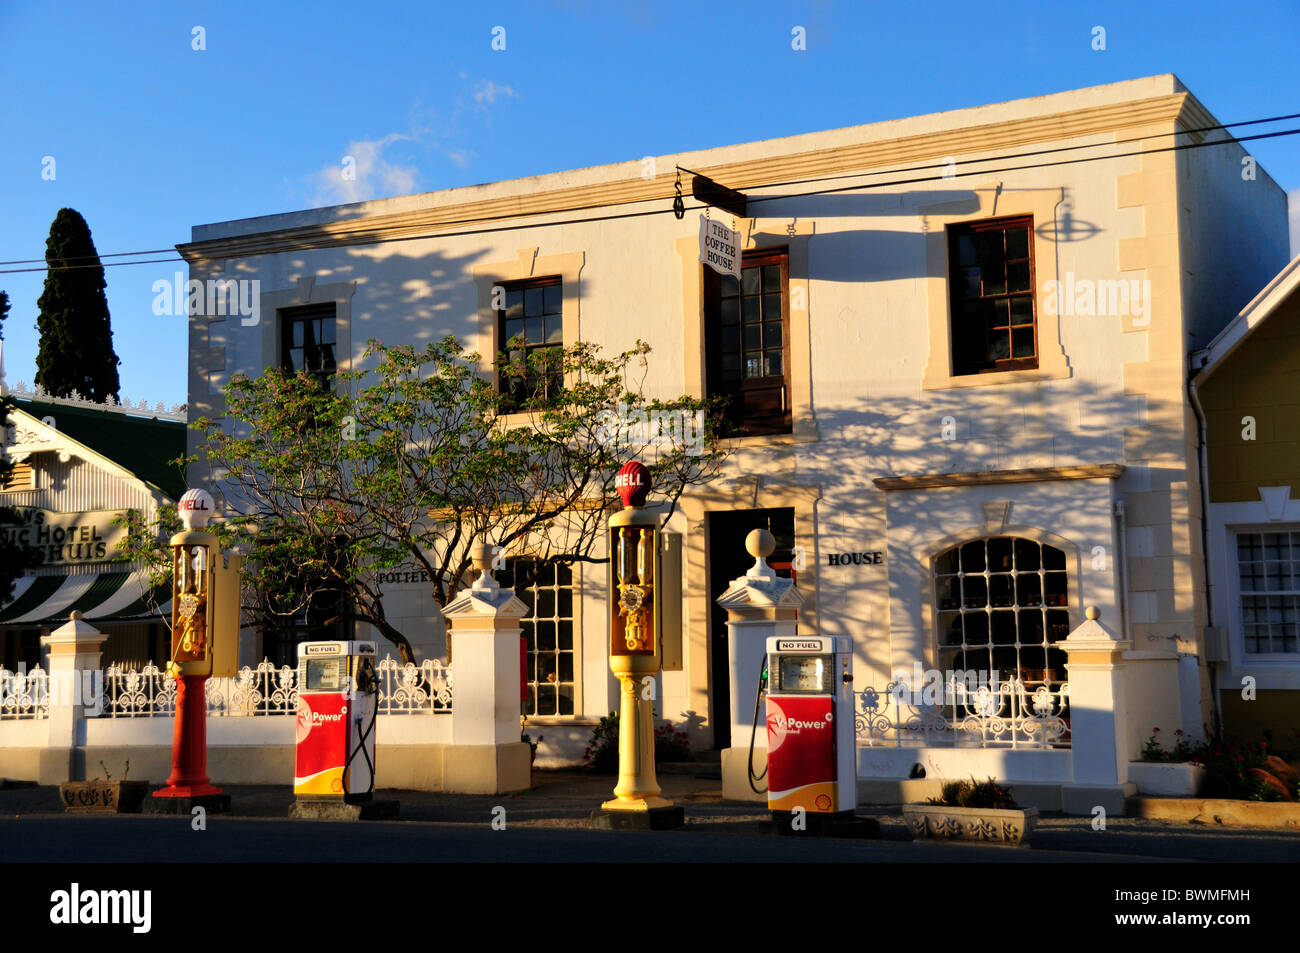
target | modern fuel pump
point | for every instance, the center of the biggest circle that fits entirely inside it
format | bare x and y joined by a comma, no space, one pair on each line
811,749
338,694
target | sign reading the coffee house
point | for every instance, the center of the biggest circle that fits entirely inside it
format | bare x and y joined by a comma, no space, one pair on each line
65,538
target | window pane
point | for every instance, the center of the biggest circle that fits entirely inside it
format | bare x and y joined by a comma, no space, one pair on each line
514,303
772,361
749,310
753,365
771,306
1026,555
1017,243
730,311
999,345
555,330
731,367
996,314
730,341
1022,310
999,550
729,285
753,336
995,281
771,277
749,281
298,332
966,252
1022,344
532,301
1018,276
514,328
772,334
990,246
533,330
551,299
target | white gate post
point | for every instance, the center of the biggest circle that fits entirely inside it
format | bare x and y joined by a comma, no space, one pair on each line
76,689
1098,722
486,755
760,605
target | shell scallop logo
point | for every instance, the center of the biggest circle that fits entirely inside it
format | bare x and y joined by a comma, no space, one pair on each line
823,802
776,726
304,719
633,483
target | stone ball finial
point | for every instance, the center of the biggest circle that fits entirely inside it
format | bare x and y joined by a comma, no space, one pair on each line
74,615
760,543
1093,613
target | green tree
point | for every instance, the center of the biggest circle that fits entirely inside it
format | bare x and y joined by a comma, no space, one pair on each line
15,559
419,457
76,347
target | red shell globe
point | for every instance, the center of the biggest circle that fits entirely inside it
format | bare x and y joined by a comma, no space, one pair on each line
633,483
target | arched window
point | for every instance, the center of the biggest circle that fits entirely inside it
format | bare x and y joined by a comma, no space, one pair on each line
1002,602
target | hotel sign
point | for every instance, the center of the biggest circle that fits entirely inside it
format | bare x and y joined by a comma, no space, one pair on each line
66,539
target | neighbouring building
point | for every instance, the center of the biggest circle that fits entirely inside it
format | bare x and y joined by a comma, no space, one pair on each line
1247,382
80,465
964,395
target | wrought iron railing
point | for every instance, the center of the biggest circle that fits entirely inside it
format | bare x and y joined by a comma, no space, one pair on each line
404,689
1004,714
408,689
24,694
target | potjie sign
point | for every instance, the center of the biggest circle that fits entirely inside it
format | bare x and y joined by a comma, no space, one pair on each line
720,247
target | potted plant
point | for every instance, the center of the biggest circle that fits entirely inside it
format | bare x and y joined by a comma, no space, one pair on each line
972,810
104,796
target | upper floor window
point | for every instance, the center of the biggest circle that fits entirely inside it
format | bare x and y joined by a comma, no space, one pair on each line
1003,605
1268,567
307,340
747,334
530,332
992,290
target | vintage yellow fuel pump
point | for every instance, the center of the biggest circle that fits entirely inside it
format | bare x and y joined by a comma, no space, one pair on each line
645,637
205,642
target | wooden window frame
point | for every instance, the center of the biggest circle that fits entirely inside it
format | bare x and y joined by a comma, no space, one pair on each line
499,324
961,367
288,317
775,422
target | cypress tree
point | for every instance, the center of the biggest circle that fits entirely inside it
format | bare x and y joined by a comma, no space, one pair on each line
76,349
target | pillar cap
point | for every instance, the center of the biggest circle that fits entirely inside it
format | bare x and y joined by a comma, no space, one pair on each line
760,543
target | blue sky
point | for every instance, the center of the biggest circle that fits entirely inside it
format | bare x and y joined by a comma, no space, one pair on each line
150,136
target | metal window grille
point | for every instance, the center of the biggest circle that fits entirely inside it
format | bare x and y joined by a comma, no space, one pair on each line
547,590
1003,602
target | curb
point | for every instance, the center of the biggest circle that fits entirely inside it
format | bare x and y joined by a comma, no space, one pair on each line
1279,815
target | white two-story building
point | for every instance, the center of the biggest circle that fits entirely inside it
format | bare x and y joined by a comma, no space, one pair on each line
957,353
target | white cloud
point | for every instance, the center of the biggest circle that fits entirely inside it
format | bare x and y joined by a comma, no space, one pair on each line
368,170
487,92
1293,216
364,173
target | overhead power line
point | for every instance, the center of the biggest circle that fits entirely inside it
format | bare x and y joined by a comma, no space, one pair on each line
945,175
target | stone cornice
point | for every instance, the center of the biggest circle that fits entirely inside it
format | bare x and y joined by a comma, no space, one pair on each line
872,155
1107,471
